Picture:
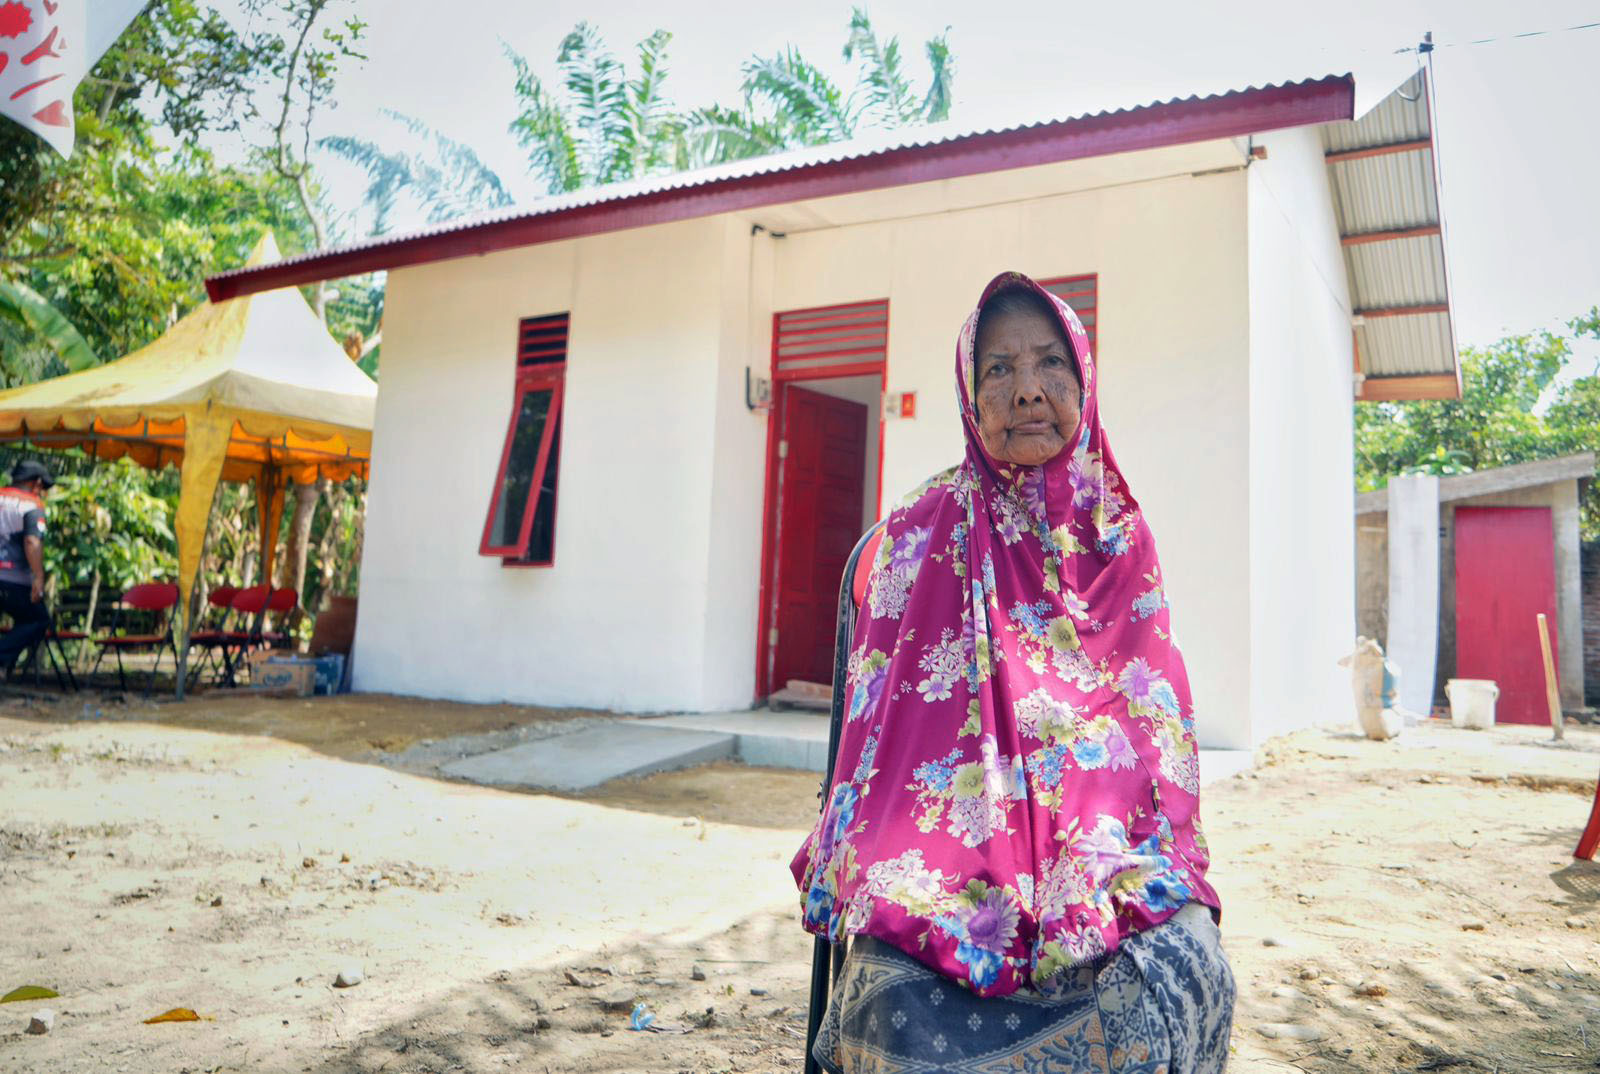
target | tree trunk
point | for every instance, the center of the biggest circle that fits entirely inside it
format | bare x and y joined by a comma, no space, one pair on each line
88,622
305,509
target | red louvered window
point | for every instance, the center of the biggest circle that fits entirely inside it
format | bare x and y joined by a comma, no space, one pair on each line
830,340
521,527
1082,294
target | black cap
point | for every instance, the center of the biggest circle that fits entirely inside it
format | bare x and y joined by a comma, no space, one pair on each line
31,470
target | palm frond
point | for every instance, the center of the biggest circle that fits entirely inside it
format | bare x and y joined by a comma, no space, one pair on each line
387,174
717,134
542,129
654,132
804,101
456,180
596,83
936,102
889,97
449,183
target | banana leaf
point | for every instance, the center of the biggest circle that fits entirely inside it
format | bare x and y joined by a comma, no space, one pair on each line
27,307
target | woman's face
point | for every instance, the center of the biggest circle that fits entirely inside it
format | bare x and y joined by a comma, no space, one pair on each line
1029,400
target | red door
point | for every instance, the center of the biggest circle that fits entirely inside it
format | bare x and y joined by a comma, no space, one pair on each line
1505,576
822,453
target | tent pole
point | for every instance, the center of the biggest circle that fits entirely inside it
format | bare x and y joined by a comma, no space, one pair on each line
269,513
205,445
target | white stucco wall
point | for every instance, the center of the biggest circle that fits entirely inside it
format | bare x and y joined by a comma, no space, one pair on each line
1170,256
1301,485
622,620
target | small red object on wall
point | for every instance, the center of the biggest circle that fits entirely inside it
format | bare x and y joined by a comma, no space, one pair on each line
908,404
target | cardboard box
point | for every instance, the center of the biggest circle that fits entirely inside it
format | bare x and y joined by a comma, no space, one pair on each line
327,670
284,678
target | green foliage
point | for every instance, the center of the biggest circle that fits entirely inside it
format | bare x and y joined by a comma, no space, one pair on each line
109,520
1443,463
118,238
29,312
608,127
789,101
1495,422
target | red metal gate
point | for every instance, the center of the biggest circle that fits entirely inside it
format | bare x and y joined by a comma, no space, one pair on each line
1505,576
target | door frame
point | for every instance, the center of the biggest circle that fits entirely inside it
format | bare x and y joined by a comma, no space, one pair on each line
771,546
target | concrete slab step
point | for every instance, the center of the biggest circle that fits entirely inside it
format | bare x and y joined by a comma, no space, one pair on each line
772,739
593,756
800,740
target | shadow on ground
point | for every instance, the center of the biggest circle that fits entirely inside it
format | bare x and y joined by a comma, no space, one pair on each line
574,1017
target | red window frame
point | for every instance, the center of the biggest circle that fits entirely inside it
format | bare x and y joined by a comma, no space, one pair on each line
1087,285
541,366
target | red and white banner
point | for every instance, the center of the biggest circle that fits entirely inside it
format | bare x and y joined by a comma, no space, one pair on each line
46,47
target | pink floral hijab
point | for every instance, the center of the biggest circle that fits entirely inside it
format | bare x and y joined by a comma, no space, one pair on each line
1017,784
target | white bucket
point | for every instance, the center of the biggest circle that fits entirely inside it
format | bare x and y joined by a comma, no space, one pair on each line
1472,702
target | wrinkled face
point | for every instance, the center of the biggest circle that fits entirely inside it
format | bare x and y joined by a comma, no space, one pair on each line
1029,400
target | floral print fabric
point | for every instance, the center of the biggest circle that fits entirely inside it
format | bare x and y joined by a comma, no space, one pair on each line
1017,784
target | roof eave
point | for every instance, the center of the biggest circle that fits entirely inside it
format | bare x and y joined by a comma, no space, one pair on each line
1169,123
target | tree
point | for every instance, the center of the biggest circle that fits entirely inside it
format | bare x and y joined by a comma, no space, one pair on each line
790,102
450,181
92,257
114,243
1497,421
305,64
610,127
109,528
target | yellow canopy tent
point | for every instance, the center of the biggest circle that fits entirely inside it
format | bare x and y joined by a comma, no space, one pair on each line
251,389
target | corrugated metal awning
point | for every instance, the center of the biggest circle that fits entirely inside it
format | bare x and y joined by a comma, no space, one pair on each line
1384,175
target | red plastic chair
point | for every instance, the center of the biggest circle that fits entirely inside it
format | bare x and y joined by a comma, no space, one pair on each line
254,604
247,606
213,640
151,597
281,602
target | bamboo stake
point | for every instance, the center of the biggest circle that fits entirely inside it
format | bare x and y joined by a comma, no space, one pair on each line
1551,693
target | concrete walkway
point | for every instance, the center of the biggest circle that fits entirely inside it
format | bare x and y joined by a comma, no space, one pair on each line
637,746
592,756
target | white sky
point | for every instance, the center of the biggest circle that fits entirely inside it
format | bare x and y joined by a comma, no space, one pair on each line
1516,125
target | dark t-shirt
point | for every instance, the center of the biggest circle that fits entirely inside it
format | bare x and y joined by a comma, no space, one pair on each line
21,516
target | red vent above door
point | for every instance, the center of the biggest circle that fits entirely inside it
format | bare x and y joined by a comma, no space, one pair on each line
819,341
1082,294
542,340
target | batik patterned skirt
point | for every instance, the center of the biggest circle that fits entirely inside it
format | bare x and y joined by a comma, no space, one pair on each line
1162,1004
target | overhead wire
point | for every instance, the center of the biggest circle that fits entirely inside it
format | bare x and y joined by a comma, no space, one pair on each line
1429,46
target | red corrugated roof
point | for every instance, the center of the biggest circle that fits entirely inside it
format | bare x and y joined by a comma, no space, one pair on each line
915,156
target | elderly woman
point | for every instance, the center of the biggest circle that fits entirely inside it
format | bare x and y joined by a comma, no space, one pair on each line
1012,841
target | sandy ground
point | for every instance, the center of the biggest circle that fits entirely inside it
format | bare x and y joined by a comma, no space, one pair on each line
1411,906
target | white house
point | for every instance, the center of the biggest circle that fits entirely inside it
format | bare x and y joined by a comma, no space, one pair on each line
1238,257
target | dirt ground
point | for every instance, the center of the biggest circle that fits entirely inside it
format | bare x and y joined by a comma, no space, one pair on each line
1402,906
